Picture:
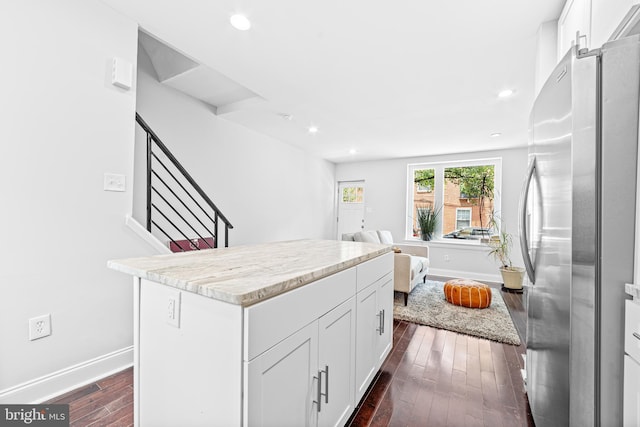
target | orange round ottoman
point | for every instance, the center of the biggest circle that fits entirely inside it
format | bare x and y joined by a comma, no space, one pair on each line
467,293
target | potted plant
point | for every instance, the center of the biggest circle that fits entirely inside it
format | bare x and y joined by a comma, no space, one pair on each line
427,220
500,249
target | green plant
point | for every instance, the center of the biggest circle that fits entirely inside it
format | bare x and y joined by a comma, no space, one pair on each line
500,243
427,219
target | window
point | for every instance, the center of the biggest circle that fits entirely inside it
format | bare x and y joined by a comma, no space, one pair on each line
424,182
463,218
467,192
352,194
470,189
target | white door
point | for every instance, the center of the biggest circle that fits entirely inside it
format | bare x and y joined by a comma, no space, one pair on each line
350,207
337,331
282,382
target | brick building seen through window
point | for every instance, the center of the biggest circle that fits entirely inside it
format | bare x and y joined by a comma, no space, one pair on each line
459,210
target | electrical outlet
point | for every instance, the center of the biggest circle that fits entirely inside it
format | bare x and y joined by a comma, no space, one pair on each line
39,327
173,309
446,258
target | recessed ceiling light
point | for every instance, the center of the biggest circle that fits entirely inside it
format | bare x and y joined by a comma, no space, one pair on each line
240,22
496,134
352,151
505,93
313,129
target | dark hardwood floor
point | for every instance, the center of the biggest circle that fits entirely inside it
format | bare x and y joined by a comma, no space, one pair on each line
439,378
108,402
431,378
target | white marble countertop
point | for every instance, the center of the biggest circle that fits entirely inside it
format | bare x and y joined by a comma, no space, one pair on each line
245,275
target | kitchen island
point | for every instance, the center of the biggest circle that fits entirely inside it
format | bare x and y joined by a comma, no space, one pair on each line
285,333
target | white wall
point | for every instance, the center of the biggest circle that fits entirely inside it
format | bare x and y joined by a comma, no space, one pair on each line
386,187
63,126
269,190
546,52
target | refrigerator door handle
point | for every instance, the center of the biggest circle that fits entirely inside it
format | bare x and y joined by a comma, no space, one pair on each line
524,243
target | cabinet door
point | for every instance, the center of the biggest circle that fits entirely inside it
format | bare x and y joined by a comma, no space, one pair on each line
631,392
366,338
337,364
281,383
385,336
575,16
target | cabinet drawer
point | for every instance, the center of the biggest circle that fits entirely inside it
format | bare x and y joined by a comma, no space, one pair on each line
632,326
372,270
271,321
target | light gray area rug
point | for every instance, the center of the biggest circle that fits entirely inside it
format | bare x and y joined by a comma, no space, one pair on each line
427,306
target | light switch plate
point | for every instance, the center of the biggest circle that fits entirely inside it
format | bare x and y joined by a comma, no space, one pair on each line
114,182
122,73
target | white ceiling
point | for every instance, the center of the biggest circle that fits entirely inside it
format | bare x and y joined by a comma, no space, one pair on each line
387,79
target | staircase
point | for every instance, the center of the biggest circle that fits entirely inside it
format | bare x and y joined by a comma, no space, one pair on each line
178,210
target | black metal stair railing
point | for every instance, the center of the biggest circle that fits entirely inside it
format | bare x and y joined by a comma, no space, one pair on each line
177,207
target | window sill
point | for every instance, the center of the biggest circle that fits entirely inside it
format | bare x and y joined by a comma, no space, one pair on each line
474,245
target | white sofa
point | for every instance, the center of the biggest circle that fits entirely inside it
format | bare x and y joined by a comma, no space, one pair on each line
411,265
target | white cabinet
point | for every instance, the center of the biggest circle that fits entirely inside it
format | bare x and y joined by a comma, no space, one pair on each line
281,382
385,304
631,404
307,379
374,331
575,17
301,358
595,19
374,328
337,361
186,376
352,341
366,340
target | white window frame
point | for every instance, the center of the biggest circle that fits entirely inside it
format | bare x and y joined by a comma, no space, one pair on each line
438,189
458,227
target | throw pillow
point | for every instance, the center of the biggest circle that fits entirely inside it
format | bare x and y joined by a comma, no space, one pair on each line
366,237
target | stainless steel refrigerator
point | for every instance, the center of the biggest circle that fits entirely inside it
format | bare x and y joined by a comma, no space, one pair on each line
577,222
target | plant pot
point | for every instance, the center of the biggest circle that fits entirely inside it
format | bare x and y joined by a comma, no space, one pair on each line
512,277
426,236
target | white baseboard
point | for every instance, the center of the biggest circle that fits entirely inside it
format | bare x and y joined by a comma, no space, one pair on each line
465,275
142,232
56,383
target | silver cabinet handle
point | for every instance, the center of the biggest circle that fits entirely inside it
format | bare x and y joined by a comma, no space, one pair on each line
382,323
524,244
637,335
326,383
319,390
380,327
